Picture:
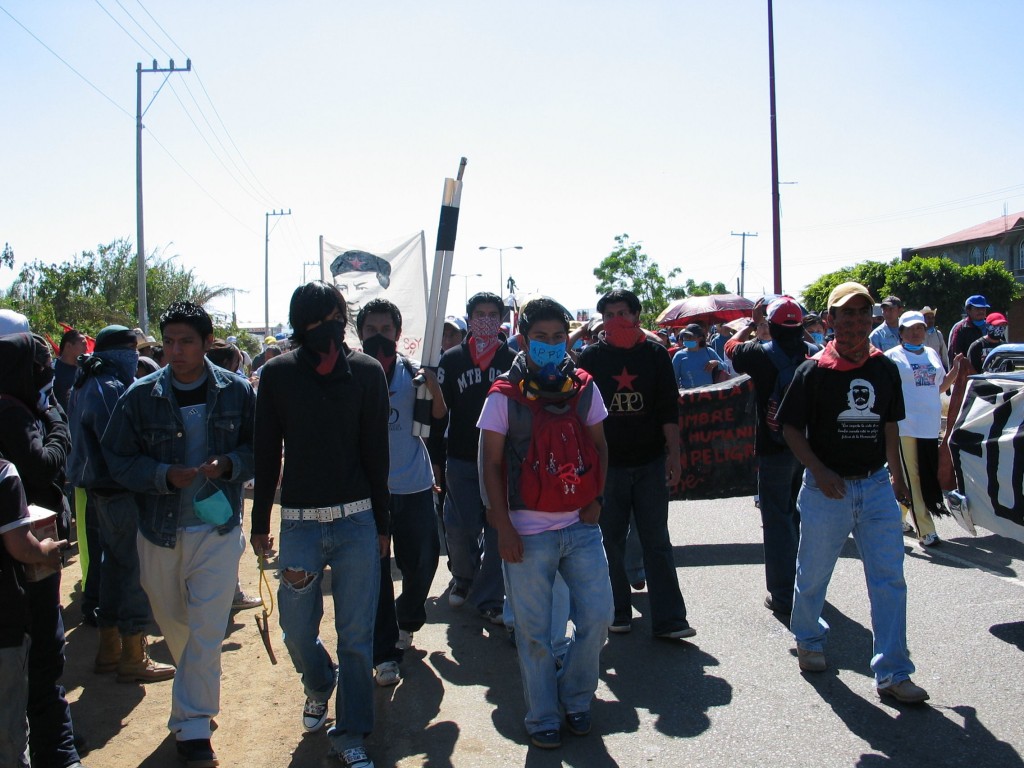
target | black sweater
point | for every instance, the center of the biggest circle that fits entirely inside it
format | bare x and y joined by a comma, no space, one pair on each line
335,434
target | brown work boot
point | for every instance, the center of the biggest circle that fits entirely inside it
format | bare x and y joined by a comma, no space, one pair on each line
109,653
135,666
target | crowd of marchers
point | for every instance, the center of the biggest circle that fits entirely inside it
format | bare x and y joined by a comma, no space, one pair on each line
547,473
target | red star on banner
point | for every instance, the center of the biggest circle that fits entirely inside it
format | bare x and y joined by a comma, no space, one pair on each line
356,263
625,379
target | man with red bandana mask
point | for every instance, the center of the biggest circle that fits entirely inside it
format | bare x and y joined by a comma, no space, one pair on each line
840,418
465,374
635,378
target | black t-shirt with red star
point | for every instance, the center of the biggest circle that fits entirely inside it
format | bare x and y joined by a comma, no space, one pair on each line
639,390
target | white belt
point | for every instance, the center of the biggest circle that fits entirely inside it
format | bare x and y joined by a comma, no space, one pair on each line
325,514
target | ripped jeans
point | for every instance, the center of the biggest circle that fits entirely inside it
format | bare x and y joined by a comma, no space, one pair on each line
349,546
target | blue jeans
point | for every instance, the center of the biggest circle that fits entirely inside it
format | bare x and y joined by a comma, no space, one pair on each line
634,556
349,546
576,553
642,492
472,544
561,614
123,602
869,510
778,482
416,547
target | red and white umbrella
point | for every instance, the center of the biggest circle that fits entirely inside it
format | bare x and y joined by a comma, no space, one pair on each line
720,308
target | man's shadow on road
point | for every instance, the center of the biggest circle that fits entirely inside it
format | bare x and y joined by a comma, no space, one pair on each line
919,735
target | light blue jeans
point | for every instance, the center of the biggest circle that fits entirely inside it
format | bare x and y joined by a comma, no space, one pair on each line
560,633
578,555
349,546
869,510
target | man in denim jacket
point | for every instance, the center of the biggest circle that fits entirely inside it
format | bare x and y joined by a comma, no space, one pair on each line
182,439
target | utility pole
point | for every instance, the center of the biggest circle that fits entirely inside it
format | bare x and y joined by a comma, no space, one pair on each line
776,218
234,315
743,254
266,266
308,264
139,112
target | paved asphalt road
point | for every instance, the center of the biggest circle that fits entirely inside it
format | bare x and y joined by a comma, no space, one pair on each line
732,697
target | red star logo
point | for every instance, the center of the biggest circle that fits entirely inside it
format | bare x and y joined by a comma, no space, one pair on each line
625,379
356,263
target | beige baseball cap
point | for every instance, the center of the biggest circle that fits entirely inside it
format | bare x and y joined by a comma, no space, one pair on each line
843,292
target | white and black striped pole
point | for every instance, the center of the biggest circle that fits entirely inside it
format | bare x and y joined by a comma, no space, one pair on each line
437,301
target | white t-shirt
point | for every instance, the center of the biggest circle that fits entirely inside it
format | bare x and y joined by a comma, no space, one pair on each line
921,375
494,418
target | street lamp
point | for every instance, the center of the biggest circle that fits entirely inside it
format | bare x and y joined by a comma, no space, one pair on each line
466,281
501,264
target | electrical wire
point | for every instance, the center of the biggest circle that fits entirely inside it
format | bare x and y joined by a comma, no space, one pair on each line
63,61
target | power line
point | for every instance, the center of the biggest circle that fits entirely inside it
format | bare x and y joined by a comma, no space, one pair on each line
123,28
196,182
213,106
63,61
144,30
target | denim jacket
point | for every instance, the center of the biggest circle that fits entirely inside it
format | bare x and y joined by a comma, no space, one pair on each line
146,436
89,411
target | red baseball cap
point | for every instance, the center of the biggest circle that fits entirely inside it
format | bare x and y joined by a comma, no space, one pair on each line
785,311
996,318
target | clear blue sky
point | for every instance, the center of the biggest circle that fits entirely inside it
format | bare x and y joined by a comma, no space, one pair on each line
900,123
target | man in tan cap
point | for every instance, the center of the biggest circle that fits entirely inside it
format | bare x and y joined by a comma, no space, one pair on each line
933,336
840,418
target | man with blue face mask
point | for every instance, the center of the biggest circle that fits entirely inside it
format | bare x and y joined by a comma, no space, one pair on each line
971,328
123,610
547,520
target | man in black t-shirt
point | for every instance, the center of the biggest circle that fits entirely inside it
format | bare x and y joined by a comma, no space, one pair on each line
465,374
779,472
840,419
635,378
995,334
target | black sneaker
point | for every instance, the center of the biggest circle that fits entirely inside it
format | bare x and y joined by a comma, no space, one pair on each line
578,723
621,627
546,739
197,753
677,634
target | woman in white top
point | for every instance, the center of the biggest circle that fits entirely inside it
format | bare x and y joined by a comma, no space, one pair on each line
923,380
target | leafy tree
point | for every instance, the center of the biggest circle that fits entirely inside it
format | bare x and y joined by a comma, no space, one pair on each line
627,266
99,288
7,257
870,274
939,283
705,288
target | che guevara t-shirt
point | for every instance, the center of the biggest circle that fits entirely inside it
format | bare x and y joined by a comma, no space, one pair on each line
845,412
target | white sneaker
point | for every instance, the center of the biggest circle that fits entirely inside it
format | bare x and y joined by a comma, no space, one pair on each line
386,674
355,758
404,640
929,540
314,713
908,529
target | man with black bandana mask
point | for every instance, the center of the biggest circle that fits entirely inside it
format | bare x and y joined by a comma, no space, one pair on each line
778,479
123,610
328,406
34,437
411,482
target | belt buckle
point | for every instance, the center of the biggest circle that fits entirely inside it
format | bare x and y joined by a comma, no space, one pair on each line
323,514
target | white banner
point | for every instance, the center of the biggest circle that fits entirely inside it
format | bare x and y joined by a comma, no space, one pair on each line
397,273
987,443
